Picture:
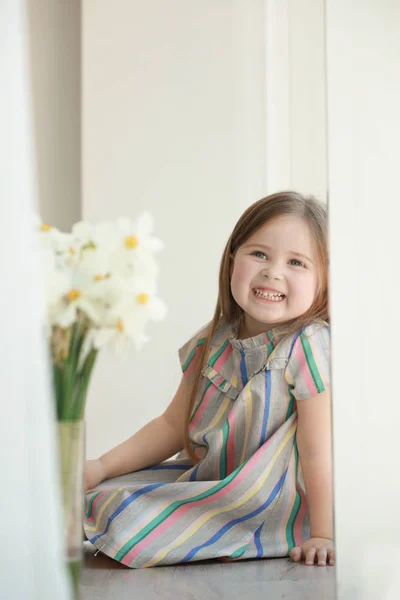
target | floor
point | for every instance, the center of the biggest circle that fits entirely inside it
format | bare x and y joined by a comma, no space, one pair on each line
267,579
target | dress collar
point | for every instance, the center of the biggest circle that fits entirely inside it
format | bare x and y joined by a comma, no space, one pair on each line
269,339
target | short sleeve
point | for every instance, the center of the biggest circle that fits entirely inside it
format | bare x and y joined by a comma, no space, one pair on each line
189,353
308,370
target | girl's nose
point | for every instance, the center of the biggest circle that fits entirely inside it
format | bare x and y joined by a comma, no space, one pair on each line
272,272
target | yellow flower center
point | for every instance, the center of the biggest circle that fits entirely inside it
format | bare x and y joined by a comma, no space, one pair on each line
100,277
73,295
45,227
131,242
71,250
143,298
120,325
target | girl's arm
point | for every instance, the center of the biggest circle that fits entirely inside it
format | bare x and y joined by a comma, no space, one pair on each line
314,442
157,441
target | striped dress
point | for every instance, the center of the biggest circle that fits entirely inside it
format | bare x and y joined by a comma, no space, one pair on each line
246,496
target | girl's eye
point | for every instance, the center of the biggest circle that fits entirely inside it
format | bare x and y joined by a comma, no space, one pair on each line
259,252
299,263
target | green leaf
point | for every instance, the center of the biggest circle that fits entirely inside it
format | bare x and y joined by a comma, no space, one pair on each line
58,389
70,382
84,380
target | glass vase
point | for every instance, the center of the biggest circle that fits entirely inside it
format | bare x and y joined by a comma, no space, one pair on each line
72,452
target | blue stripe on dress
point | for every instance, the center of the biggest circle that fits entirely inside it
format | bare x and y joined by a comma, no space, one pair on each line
257,541
125,503
164,467
193,474
267,405
231,524
243,370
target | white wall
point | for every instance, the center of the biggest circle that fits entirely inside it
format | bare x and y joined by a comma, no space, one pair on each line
295,97
363,91
173,122
55,63
181,106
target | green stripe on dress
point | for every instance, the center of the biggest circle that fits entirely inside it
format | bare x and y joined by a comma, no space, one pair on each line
92,499
296,506
223,459
213,359
239,552
193,352
319,384
199,403
290,406
271,344
127,547
211,362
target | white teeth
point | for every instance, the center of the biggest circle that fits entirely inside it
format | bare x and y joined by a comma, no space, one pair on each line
275,296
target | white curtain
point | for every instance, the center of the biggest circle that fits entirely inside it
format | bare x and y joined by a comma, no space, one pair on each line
31,552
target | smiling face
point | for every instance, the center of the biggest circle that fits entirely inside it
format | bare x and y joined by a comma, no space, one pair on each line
275,274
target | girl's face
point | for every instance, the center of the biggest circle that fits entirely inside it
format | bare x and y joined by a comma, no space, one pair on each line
275,274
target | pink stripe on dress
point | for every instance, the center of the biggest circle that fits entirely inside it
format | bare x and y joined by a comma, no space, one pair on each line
223,358
298,525
230,446
193,363
305,371
288,503
95,501
180,512
203,407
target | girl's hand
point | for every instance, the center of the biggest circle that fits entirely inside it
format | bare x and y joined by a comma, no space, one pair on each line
93,473
321,549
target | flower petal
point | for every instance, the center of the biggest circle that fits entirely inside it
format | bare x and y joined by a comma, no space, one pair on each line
89,309
153,244
141,340
104,336
83,230
144,225
158,309
67,317
124,224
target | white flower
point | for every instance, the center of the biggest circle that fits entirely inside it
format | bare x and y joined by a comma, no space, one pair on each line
136,246
75,296
126,320
60,244
136,234
103,235
82,286
107,272
55,280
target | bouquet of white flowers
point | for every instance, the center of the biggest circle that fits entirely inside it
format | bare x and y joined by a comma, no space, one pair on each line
100,283
100,288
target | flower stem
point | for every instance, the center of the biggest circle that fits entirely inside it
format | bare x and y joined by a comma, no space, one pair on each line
83,383
71,381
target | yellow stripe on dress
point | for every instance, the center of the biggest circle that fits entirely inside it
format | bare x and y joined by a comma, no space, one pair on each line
254,489
219,414
249,416
100,514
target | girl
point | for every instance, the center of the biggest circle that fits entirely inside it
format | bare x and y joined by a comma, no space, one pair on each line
252,412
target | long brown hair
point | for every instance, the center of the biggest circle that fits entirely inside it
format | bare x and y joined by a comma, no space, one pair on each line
227,311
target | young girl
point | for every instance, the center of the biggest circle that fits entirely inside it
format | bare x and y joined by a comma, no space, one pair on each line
250,419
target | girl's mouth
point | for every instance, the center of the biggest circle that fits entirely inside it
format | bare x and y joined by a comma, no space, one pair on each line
269,296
